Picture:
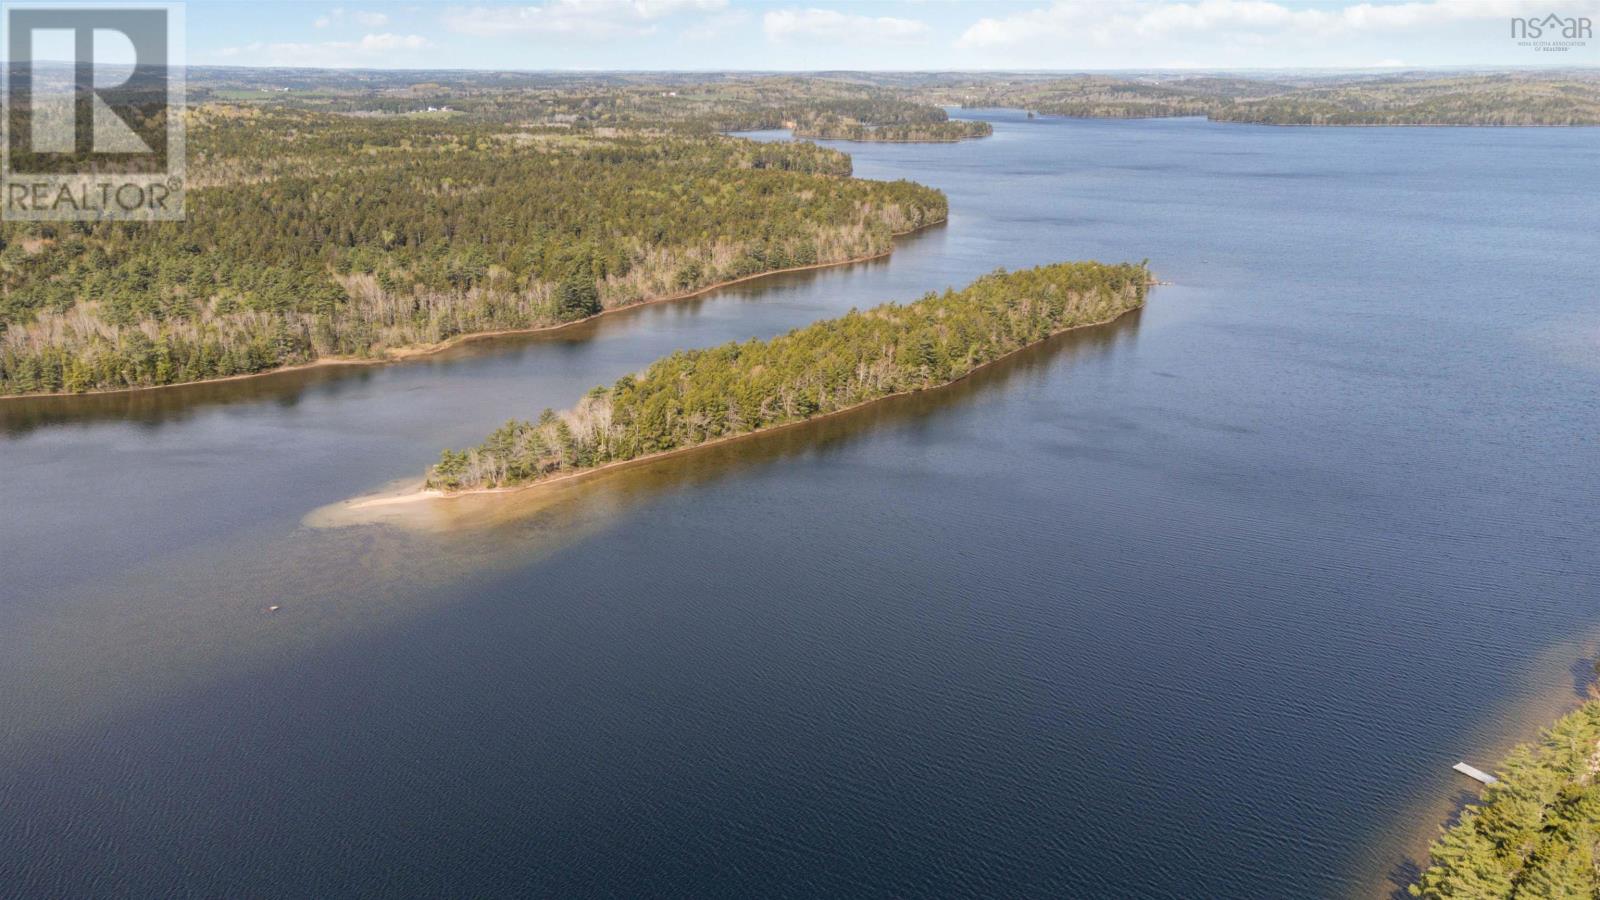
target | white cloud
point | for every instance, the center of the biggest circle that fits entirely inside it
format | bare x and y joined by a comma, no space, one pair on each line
717,26
371,49
832,25
1240,20
580,18
383,43
339,15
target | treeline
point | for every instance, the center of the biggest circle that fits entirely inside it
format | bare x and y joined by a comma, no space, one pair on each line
1535,832
1478,100
231,144
695,396
882,102
1095,97
833,128
1502,99
311,236
820,107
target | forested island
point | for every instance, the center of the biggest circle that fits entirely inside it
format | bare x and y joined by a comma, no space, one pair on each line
313,236
697,396
1535,832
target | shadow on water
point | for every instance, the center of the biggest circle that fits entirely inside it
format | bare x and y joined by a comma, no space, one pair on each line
1405,873
175,403
1586,675
1408,869
21,415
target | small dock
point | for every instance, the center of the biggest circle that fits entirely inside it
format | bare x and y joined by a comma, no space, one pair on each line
1474,773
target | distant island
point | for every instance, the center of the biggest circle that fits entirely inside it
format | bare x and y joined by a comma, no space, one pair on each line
696,397
1536,830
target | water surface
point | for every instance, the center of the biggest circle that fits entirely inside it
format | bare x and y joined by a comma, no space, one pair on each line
1201,603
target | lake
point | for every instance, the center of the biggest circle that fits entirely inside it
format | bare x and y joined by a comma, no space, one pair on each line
1203,603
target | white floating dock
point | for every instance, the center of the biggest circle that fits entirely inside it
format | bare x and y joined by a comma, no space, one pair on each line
1471,772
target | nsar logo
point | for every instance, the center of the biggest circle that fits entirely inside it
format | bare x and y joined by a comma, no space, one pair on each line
1553,32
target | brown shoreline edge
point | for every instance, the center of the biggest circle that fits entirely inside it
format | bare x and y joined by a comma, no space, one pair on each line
414,351
424,494
976,137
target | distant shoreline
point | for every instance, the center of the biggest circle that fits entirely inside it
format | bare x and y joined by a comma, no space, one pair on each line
793,135
407,352
1045,115
976,137
426,494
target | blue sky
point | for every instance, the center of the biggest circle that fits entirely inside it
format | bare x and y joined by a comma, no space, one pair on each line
876,34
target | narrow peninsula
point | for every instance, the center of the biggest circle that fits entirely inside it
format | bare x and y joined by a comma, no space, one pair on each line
696,397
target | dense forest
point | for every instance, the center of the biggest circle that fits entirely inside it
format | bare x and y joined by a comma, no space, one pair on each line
834,128
695,396
1472,100
348,214
1536,831
875,106
837,108
1098,97
1560,98
312,235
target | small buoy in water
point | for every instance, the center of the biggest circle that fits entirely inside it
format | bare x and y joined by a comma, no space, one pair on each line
274,608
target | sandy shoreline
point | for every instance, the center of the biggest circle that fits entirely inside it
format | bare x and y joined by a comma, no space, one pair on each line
415,351
418,495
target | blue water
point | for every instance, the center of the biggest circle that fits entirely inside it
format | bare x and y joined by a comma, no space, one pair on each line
1200,604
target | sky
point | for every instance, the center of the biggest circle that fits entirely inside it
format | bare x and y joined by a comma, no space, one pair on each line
878,34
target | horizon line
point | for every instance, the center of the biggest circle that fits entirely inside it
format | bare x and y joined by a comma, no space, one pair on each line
1483,67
